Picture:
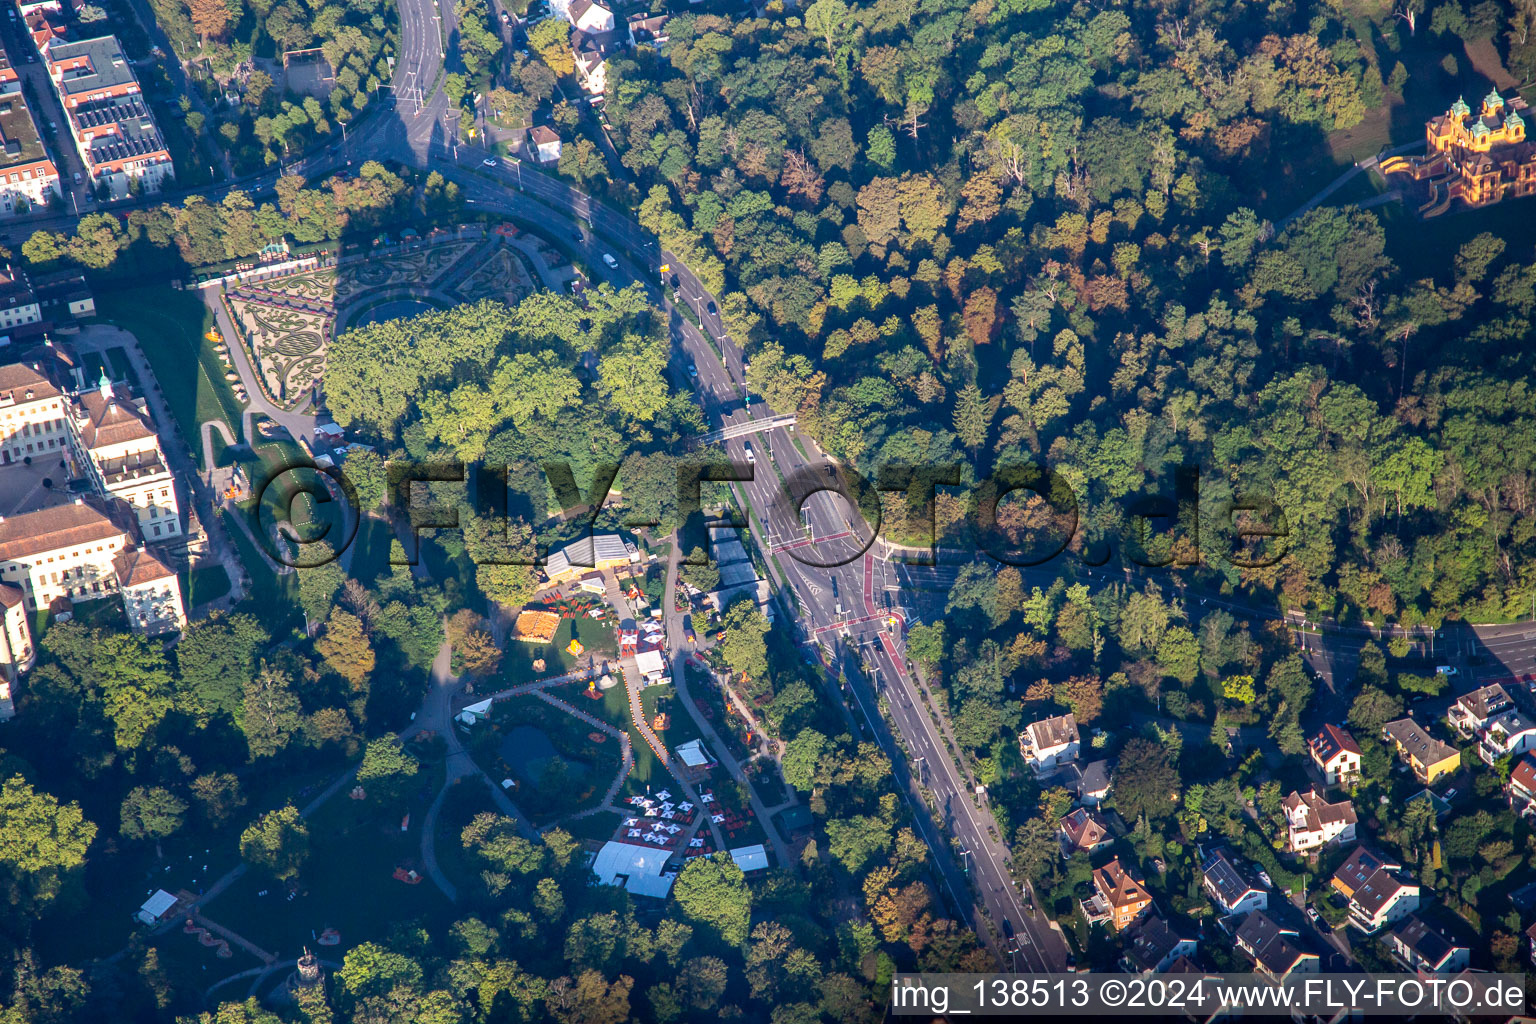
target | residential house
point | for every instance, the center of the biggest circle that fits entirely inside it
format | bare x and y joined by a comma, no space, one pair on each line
28,178
1522,787
1377,895
1119,895
109,120
1153,944
1313,822
1083,831
85,551
1472,711
648,30
1425,949
590,52
1229,889
544,143
1276,950
1507,734
1336,755
589,16
1429,758
115,446
1530,936
1050,743
1093,788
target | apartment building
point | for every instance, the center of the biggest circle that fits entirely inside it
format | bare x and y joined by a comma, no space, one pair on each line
85,551
1510,733
1048,744
33,415
1473,711
27,177
1428,757
1377,895
109,119
117,449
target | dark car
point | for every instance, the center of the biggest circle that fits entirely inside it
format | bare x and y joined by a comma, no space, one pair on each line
712,309
580,238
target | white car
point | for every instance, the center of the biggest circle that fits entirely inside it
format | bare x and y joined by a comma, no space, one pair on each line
750,457
613,264
490,161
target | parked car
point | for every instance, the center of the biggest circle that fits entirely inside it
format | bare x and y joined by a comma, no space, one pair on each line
1446,670
612,263
1313,915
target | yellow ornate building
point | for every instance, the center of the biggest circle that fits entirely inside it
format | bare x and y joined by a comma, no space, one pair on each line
1478,159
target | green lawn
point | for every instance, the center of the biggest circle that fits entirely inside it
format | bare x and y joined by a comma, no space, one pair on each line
682,727
170,325
208,583
346,884
614,709
596,635
276,598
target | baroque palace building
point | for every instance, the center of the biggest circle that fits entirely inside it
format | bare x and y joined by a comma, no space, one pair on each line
1478,159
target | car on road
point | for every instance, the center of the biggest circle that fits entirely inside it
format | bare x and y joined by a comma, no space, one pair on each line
673,283
612,263
580,238
491,161
77,177
711,307
693,370
753,459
